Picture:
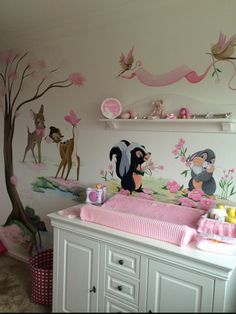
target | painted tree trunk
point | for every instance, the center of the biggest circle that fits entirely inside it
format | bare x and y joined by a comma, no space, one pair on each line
18,211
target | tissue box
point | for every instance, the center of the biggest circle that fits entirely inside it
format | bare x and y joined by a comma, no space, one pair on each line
96,195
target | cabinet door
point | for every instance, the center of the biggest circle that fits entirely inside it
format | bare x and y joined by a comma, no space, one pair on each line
172,289
78,269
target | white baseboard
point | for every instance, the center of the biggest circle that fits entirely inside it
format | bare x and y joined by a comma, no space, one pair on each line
21,258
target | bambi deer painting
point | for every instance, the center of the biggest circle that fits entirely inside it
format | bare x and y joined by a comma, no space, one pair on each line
35,138
66,148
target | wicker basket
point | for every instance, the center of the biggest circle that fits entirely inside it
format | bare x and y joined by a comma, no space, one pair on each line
41,265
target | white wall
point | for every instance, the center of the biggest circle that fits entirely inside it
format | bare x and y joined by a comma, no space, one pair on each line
166,34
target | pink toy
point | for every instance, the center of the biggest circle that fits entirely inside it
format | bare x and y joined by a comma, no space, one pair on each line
184,113
96,195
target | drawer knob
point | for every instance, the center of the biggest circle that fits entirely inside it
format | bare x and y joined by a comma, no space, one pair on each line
120,288
93,289
121,262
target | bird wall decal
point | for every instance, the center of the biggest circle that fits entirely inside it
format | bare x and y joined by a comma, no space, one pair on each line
221,53
224,49
126,62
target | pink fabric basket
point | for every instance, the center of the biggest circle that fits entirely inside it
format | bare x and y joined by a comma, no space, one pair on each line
217,227
41,265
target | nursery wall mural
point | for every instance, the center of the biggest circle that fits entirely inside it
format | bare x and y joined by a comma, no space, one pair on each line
129,160
221,53
18,69
35,137
199,188
66,148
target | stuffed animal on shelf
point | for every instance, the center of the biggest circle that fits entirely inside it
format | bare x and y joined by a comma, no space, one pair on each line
184,113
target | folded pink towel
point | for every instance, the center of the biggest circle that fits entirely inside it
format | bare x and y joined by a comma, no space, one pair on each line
166,222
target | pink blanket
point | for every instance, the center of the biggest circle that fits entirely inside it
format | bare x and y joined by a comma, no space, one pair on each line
162,221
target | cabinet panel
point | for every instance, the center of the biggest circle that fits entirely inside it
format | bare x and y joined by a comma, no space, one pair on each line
171,289
113,306
123,261
122,287
78,273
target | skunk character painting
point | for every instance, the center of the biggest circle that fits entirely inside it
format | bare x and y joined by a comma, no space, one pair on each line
202,171
129,159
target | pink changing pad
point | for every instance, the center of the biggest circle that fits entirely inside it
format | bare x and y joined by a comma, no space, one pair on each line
162,221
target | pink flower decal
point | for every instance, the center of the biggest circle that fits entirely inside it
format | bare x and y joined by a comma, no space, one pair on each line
72,118
196,195
15,234
14,180
76,79
172,186
184,201
102,172
124,192
207,203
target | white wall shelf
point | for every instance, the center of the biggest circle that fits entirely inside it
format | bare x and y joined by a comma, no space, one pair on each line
224,125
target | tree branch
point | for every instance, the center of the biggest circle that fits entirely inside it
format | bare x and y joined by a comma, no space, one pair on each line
3,79
36,96
21,83
16,67
43,80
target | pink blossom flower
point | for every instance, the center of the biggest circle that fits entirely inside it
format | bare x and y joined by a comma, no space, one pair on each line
207,203
124,192
110,167
184,201
76,79
196,194
172,186
181,142
188,163
178,146
72,118
14,180
175,151
42,63
14,234
102,173
151,166
160,167
183,158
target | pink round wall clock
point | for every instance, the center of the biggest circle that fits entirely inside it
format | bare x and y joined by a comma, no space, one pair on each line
111,108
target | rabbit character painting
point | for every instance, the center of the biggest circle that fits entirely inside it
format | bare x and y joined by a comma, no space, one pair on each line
129,160
202,171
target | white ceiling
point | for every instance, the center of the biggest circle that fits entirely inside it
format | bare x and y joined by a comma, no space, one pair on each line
19,16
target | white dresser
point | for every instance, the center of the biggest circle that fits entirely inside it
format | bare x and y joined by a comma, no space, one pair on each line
100,269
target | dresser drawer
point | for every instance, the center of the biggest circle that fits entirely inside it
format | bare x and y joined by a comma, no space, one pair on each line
122,287
122,260
114,306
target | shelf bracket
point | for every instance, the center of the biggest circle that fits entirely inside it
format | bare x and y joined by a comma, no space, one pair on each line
226,126
111,125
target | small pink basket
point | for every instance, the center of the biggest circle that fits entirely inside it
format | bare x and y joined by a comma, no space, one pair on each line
41,265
